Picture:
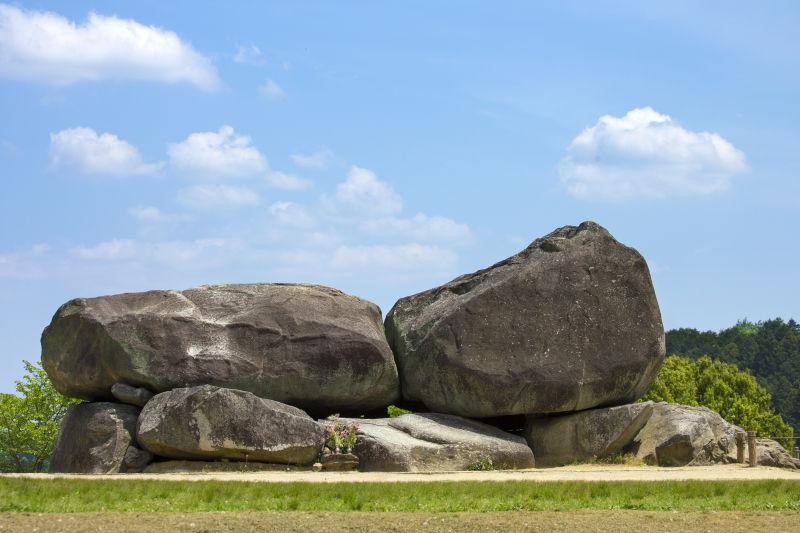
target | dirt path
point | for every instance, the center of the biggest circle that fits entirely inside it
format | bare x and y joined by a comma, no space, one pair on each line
566,473
617,521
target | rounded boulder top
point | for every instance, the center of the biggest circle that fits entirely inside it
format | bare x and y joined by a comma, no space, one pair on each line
569,323
310,346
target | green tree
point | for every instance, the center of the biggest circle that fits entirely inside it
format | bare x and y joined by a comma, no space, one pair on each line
735,394
769,349
29,422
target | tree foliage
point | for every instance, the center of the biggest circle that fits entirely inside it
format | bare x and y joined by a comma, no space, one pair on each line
770,350
29,422
735,394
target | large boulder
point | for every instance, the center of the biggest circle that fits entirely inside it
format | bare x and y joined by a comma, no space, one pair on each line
771,453
585,435
208,422
137,396
98,438
338,462
436,442
681,435
136,460
305,345
659,434
569,323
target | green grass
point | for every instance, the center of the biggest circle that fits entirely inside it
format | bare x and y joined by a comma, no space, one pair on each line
71,495
393,411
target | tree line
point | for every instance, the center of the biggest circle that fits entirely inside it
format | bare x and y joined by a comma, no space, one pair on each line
769,350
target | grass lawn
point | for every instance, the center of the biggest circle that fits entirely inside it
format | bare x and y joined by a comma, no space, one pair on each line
78,495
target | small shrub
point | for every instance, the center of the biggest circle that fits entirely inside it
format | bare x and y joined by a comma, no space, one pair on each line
619,459
482,465
340,435
613,459
395,411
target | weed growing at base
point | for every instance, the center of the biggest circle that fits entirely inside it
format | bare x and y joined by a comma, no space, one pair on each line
613,459
78,495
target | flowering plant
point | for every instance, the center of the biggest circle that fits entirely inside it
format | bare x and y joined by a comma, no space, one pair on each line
339,434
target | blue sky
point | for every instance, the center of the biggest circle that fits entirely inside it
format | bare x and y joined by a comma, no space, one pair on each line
384,148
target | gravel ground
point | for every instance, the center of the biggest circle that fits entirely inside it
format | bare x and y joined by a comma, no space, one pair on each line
566,473
617,521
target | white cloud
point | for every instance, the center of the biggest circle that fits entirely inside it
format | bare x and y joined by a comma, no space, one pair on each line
182,254
146,213
363,208
46,47
27,263
287,182
319,159
355,234
647,154
271,90
363,194
292,215
220,154
249,55
82,149
218,197
373,262
108,250
421,227
176,254
152,214
404,257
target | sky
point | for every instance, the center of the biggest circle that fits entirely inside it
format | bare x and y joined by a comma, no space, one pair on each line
384,148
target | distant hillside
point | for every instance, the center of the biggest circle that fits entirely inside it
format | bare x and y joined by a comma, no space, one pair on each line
769,349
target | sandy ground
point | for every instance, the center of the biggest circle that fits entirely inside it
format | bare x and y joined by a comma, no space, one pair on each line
566,473
617,521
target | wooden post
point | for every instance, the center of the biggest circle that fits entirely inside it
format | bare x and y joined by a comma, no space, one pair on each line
796,452
751,447
740,446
